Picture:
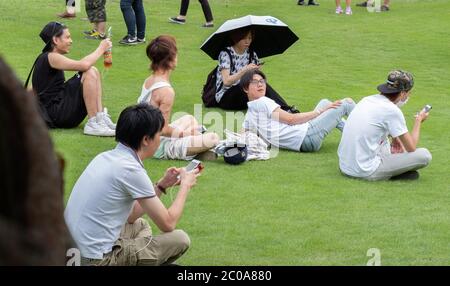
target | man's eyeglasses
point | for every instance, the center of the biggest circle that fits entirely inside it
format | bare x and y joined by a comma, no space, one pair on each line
261,81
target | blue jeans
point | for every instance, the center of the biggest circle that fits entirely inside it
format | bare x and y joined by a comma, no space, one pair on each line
320,126
134,16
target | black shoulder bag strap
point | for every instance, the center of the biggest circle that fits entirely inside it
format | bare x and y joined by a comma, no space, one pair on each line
31,71
42,110
231,66
250,58
231,60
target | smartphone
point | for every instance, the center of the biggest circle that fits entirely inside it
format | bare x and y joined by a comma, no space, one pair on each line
194,164
427,108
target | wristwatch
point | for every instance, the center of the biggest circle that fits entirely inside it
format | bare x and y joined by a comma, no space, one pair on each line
161,189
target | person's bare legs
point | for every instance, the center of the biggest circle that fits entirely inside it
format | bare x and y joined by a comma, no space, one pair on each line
92,94
98,124
347,3
338,7
202,143
100,27
199,142
187,124
99,90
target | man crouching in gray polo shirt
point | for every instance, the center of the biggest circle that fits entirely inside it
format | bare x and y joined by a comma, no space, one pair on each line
106,204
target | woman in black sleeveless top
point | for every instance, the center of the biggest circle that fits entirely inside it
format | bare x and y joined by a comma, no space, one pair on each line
65,104
62,103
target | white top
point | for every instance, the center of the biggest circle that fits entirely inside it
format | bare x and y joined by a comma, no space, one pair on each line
239,62
146,94
102,199
365,133
259,119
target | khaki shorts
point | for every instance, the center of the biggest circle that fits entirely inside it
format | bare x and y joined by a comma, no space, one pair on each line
137,246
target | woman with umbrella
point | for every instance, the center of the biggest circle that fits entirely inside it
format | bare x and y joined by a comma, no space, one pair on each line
234,61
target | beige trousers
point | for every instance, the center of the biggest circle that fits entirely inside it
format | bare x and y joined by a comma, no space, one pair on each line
137,246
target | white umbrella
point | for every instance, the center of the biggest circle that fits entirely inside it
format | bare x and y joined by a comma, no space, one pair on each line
272,36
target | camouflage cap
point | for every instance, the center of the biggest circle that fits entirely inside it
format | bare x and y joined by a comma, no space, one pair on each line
397,81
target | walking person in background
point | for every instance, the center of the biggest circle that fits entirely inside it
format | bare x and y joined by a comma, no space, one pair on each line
96,12
348,8
181,19
310,3
134,16
371,3
70,10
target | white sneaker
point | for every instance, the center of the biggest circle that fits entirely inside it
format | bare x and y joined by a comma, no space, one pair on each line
107,119
98,128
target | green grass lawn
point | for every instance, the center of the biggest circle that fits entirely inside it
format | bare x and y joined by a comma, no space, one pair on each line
295,209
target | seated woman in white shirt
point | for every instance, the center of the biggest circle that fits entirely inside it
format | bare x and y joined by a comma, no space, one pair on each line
365,151
303,131
183,138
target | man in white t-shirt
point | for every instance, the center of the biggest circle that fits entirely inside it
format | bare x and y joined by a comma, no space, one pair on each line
365,151
106,204
303,131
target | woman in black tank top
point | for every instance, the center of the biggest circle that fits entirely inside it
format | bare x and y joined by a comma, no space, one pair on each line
65,104
47,81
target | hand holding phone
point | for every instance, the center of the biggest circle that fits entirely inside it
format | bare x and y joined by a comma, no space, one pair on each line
423,114
194,164
188,179
188,176
427,108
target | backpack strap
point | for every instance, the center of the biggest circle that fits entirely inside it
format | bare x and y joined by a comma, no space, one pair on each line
250,58
31,71
231,60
